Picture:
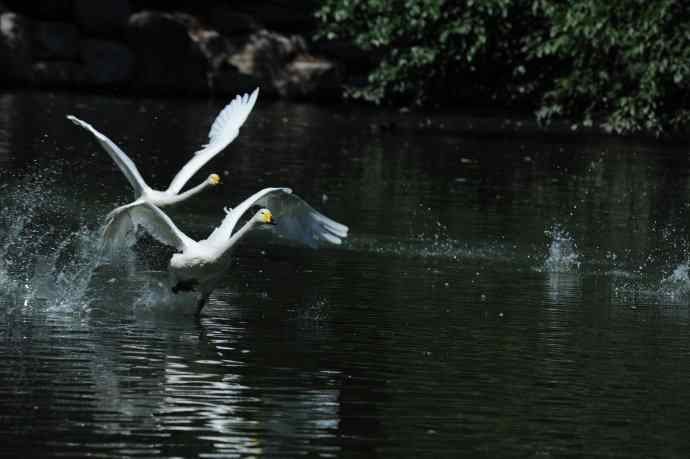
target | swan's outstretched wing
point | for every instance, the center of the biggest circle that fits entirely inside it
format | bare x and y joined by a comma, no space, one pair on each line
298,221
224,130
121,224
227,226
123,161
295,219
158,224
118,231
119,228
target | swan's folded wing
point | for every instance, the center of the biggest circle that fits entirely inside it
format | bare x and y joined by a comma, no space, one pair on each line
224,130
295,219
159,225
123,161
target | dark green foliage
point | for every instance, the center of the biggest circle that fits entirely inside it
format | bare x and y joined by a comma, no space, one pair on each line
622,63
626,60
426,47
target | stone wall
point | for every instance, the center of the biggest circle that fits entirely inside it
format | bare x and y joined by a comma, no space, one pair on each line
132,46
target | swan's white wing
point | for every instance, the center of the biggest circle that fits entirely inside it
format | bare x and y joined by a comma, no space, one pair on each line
119,228
158,224
123,161
224,130
227,226
118,231
295,219
298,221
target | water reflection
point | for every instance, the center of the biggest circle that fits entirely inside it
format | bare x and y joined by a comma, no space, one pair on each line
563,288
165,379
6,129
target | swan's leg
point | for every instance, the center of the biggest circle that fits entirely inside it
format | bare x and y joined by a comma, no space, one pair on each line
201,303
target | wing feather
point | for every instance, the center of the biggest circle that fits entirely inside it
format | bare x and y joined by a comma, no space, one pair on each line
126,165
159,225
295,219
223,131
227,226
118,232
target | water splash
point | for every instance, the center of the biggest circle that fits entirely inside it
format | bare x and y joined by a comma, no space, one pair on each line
563,256
676,286
48,255
432,248
73,277
154,295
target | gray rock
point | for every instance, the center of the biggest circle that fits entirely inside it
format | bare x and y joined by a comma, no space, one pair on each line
106,62
102,17
310,77
68,74
46,10
230,22
215,47
55,40
287,16
223,77
230,81
15,48
166,57
266,53
284,67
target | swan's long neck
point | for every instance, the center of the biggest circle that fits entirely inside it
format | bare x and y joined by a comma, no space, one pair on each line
190,192
239,234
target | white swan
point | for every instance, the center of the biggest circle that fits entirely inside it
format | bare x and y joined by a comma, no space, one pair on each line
224,130
200,265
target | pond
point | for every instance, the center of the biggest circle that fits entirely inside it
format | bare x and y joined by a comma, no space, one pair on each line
504,291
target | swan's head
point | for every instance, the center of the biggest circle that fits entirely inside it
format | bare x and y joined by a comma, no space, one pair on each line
214,179
264,217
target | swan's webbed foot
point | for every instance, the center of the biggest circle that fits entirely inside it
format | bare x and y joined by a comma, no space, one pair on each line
184,286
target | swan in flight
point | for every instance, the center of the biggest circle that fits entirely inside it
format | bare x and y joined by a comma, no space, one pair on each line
224,130
200,265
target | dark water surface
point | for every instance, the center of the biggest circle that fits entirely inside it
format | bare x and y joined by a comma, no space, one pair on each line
502,294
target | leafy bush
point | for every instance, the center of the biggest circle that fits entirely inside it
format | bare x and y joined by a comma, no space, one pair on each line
624,64
626,61
428,49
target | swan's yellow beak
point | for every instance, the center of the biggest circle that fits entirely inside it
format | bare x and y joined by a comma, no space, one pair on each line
268,218
215,179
